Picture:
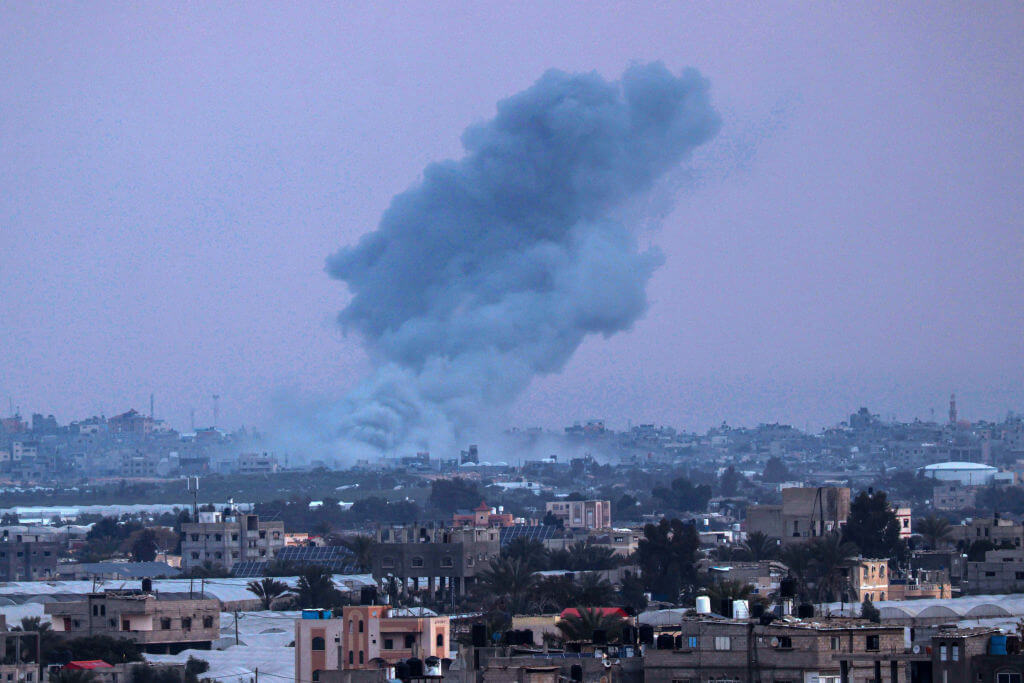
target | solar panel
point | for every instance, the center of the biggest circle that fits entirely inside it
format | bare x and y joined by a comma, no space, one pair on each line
336,559
531,533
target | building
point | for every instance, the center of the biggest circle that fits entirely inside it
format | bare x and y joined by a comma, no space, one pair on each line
996,529
952,497
873,580
804,513
707,648
159,622
1002,571
905,520
28,553
483,515
450,557
257,463
963,473
581,514
223,539
20,650
366,637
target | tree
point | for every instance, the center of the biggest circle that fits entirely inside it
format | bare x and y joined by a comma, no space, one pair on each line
776,471
761,546
268,590
529,551
588,557
666,557
315,588
194,667
731,481
48,640
729,589
64,675
581,626
682,495
872,525
143,545
362,550
935,530
797,558
830,554
631,593
869,611
595,591
555,593
508,578
449,495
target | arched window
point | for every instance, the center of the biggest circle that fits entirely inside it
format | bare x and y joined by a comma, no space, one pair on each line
440,640
360,656
316,676
351,657
360,625
318,644
351,626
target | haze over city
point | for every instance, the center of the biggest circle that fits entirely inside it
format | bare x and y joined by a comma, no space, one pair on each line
175,181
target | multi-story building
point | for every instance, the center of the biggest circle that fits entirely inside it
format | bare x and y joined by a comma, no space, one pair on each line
223,539
1002,571
804,513
257,463
823,650
451,557
994,529
581,514
872,579
19,655
159,622
28,553
953,497
365,637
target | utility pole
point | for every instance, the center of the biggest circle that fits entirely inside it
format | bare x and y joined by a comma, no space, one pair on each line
236,629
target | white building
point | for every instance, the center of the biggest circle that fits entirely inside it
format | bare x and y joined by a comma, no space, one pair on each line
964,473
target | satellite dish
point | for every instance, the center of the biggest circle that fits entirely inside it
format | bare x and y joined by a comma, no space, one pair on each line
917,649
774,642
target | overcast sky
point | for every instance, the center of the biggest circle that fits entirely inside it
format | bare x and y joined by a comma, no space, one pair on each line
174,177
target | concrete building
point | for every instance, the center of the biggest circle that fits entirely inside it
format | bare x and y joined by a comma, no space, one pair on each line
804,513
159,622
952,497
1002,571
28,553
366,637
19,655
226,538
436,558
872,579
994,529
483,515
581,514
823,650
257,463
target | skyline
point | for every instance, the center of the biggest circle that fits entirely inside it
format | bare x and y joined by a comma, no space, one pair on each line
852,237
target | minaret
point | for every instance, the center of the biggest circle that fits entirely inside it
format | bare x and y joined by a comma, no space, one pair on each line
952,410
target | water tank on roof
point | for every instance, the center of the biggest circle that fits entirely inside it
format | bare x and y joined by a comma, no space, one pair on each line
740,609
997,645
703,604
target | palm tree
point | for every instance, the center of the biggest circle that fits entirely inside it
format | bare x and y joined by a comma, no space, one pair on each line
937,531
48,639
581,626
761,546
587,557
555,593
362,550
268,590
595,591
730,590
797,558
315,588
512,578
831,553
530,551
65,675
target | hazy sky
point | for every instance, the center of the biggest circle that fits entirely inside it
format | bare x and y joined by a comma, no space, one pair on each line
174,177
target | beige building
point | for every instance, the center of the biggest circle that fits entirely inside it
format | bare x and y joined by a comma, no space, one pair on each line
225,539
159,622
994,529
804,513
581,514
365,637
822,650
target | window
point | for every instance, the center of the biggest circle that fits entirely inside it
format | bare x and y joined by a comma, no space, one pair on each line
954,651
410,640
216,537
103,610
943,654
417,561
440,640
360,656
165,624
990,573
834,643
263,534
785,643
195,556
186,623
360,625
351,657
389,644
234,537
1007,677
208,621
195,537
316,676
692,641
95,610
446,561
387,562
317,644
871,644
723,643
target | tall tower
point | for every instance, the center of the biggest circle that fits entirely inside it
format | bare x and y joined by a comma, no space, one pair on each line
952,409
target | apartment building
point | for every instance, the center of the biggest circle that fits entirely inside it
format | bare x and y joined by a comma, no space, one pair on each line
28,553
872,579
823,650
366,637
951,497
445,559
159,622
994,529
1002,571
805,513
226,538
581,514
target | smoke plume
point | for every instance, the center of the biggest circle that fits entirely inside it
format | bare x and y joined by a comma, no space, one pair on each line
494,268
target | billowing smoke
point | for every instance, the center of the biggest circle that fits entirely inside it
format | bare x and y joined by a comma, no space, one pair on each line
494,268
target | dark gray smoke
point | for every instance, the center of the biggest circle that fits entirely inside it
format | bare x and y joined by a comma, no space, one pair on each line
494,268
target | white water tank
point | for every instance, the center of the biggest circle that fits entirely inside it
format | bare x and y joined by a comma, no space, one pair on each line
740,609
703,604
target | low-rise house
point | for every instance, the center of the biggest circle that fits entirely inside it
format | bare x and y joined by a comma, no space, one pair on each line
159,622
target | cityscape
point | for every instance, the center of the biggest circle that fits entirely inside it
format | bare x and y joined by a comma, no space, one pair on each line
545,342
